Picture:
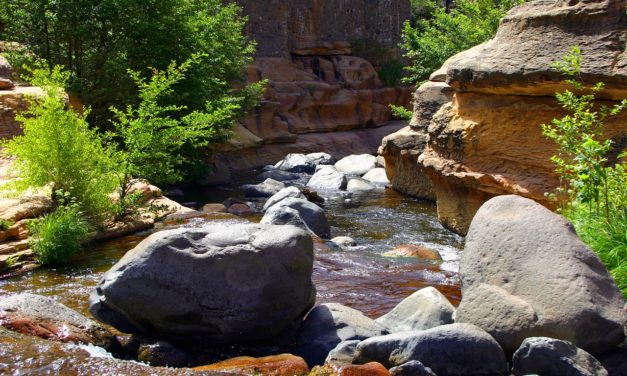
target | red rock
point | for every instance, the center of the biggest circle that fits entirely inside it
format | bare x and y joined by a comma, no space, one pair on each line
240,209
277,365
214,208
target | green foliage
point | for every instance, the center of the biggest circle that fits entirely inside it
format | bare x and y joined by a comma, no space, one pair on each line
58,235
428,42
401,112
5,224
58,149
157,140
99,41
595,192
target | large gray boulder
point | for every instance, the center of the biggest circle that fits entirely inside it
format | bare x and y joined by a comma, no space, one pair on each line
548,356
424,309
284,193
356,164
267,188
455,349
359,185
329,324
297,163
218,284
319,159
377,176
300,213
525,273
278,175
327,178
44,317
412,368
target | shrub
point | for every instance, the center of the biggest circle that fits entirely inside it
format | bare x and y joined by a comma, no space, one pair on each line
58,235
428,42
59,150
595,192
5,224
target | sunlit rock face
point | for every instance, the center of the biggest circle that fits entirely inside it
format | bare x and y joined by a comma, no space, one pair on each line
487,141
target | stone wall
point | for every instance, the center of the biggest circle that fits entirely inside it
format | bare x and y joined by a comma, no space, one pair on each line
281,27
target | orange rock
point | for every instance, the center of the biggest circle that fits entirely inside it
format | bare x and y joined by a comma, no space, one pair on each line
214,208
369,369
412,250
240,209
276,365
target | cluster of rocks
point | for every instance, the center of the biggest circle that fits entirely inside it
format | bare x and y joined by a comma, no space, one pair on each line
535,300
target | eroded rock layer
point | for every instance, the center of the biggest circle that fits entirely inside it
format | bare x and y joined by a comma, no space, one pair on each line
487,140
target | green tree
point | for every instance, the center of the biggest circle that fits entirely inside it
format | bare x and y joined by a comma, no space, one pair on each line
98,41
58,150
435,33
594,189
154,141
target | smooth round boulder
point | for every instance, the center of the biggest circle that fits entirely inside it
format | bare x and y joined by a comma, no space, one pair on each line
278,175
296,163
377,176
549,356
525,273
412,368
455,349
356,164
359,185
284,193
320,158
344,242
300,213
218,284
267,188
327,178
329,324
424,309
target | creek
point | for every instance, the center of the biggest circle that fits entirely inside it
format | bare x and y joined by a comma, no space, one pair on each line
361,277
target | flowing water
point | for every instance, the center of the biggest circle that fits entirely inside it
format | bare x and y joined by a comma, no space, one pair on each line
361,277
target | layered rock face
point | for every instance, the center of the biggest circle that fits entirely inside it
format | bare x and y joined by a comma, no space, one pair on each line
487,140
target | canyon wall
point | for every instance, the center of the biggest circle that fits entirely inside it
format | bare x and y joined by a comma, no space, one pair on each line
476,127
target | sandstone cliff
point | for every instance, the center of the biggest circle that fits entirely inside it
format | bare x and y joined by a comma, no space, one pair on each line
486,140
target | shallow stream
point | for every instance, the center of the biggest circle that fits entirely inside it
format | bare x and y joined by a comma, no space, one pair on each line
361,277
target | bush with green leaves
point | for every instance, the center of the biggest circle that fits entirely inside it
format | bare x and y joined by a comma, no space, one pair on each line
594,189
99,41
434,35
58,235
58,150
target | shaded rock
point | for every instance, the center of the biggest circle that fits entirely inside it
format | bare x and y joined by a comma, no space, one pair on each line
268,188
300,213
329,324
614,360
380,161
548,356
344,242
44,317
424,309
412,368
162,354
296,163
284,193
313,196
369,369
276,365
356,164
525,273
359,185
231,201
327,178
243,284
214,208
377,176
417,251
343,353
455,349
279,175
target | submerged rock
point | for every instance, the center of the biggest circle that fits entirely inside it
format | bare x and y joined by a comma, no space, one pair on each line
424,309
344,242
161,354
548,356
300,213
329,324
525,273
219,284
455,349
417,251
44,317
356,164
